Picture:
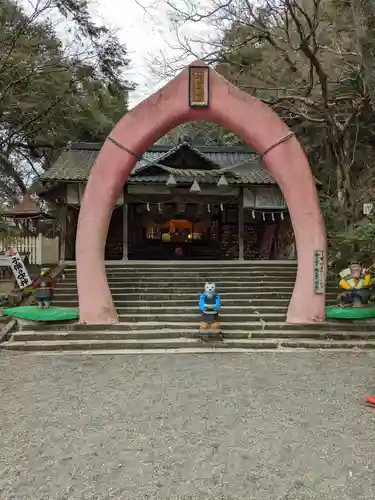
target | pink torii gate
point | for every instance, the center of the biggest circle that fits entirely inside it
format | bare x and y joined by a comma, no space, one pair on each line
235,110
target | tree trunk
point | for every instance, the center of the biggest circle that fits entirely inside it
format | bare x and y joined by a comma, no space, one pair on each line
343,152
10,171
363,15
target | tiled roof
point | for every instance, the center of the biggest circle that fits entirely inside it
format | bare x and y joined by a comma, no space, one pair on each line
252,172
185,146
185,176
26,207
75,165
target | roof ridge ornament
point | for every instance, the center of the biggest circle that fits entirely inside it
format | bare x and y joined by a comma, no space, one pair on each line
184,139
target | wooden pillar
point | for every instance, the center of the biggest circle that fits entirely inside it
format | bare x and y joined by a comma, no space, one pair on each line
125,229
63,225
241,227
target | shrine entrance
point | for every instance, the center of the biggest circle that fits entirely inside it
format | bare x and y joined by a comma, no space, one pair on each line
168,234
177,238
198,93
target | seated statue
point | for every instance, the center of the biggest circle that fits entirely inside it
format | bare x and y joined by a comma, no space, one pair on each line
356,286
43,286
209,304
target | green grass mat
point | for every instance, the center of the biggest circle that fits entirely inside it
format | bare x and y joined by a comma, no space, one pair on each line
34,313
336,312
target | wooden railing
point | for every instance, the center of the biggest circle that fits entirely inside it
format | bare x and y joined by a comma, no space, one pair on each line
36,250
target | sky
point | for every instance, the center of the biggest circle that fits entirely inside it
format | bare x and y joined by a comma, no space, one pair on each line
145,29
145,32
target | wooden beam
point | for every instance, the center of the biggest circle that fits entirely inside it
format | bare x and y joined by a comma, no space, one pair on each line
125,230
241,227
63,225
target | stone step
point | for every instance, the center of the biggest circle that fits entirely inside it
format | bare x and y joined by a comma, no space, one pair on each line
226,344
191,284
189,264
191,303
35,335
180,302
179,292
181,311
124,307
203,272
180,318
194,296
260,310
195,272
188,287
193,279
227,326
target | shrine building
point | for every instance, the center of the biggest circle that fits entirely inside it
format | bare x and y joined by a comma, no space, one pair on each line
204,203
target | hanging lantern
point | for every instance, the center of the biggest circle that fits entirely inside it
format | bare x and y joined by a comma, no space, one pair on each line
171,181
148,206
253,214
195,187
282,216
221,207
222,181
273,216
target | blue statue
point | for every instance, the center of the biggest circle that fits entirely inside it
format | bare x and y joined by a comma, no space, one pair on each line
209,304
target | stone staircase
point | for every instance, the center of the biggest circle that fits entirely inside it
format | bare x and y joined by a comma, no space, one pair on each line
157,304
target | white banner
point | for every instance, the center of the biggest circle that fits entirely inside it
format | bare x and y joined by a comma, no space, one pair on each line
19,270
248,198
269,198
264,198
319,272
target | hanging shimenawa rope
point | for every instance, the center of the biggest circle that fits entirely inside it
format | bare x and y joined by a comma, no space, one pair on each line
264,213
154,163
281,141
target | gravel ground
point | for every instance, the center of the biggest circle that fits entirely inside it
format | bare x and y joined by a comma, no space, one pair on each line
232,426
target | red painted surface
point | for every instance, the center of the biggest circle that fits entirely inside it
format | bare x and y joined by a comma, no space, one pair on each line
235,110
370,401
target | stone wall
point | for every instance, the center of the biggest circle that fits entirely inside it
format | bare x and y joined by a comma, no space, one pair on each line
114,244
229,241
251,242
286,246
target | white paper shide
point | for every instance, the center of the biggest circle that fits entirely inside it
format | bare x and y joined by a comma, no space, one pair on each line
19,270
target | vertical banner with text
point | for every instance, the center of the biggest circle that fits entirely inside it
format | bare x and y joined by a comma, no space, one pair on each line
319,272
19,270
